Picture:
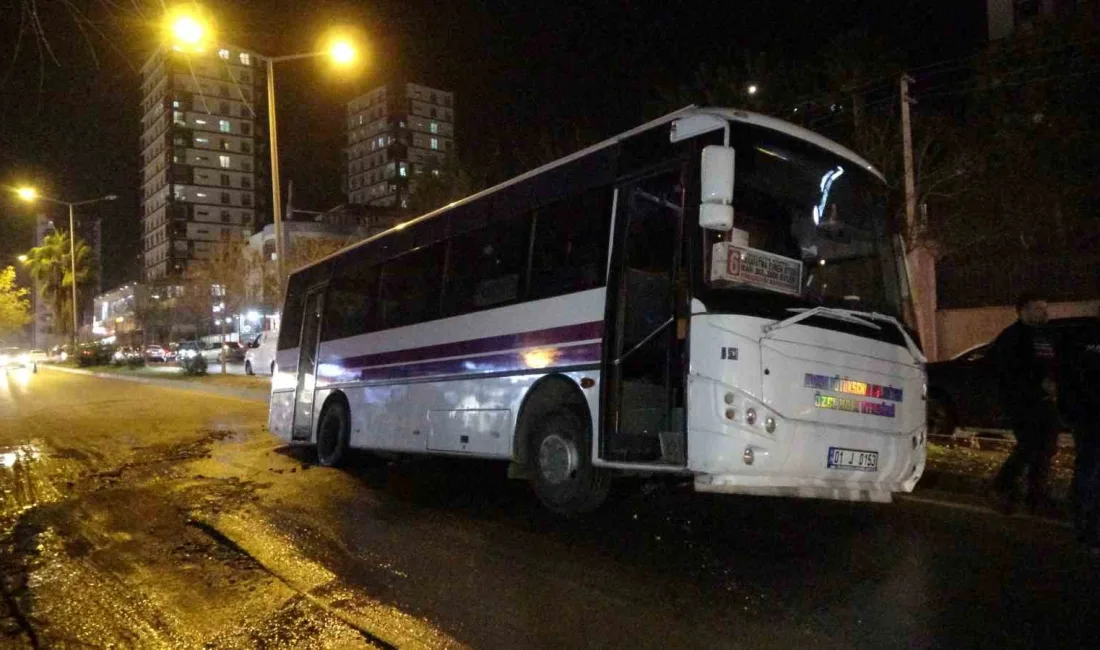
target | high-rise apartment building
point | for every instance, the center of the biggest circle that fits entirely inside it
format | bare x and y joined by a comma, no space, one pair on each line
204,154
396,132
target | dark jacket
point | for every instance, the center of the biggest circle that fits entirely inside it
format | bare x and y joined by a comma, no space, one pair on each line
1019,374
1079,376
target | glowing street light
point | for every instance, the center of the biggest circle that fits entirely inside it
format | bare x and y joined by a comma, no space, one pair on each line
22,258
752,89
342,52
30,195
188,29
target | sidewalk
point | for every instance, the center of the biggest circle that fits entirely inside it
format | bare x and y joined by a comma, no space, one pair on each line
232,386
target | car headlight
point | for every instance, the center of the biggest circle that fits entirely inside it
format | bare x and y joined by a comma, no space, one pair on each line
26,358
3,359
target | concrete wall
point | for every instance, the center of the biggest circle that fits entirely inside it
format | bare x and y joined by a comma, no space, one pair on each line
959,329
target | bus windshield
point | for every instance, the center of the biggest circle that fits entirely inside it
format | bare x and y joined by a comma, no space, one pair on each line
808,224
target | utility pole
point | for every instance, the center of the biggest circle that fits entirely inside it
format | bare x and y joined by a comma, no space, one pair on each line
907,153
920,263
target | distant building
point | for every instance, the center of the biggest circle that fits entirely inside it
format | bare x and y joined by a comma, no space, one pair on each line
204,154
116,314
305,241
395,133
1005,17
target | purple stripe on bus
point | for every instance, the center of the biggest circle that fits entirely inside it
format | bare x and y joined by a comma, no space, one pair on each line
493,363
536,338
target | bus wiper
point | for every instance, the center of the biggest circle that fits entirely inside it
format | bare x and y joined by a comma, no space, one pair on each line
827,312
849,316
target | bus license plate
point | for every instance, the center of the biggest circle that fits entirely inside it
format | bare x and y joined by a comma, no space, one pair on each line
857,459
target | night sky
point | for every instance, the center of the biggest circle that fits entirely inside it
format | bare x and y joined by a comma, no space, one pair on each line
73,126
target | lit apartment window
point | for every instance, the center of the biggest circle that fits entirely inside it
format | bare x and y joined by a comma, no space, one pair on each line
200,122
223,54
224,126
435,143
177,117
223,161
246,59
403,170
434,127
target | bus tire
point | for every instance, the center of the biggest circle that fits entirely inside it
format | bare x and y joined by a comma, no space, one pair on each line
563,477
332,434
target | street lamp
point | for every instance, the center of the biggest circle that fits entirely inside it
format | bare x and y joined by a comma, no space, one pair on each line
189,30
341,52
22,259
752,89
30,194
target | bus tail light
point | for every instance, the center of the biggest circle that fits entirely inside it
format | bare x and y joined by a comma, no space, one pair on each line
750,416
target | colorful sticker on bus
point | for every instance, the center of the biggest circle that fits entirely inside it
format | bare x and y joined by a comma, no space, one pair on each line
837,384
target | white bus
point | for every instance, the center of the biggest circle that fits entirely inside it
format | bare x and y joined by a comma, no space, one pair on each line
631,309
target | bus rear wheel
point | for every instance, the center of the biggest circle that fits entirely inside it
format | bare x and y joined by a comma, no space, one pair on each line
332,435
563,478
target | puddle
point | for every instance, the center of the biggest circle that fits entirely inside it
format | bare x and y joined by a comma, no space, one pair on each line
22,483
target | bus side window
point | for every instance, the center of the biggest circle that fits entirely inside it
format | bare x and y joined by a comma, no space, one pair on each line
349,306
291,325
485,267
570,251
410,287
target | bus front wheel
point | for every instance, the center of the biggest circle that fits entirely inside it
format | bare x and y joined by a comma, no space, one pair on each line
563,478
332,435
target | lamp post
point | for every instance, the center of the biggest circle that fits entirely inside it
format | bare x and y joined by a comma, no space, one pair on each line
193,33
29,194
342,53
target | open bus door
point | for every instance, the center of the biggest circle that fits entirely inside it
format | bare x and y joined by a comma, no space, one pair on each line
307,365
644,391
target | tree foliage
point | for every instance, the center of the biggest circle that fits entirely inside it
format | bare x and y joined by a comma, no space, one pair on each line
261,275
14,304
49,264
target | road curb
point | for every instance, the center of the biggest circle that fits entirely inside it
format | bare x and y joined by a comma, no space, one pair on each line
247,395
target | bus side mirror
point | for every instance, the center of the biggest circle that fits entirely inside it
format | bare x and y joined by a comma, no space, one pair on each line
716,201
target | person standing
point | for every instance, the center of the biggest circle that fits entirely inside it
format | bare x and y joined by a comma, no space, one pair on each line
1079,399
1024,360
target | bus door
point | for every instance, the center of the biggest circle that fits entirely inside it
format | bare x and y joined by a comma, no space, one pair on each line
307,362
644,393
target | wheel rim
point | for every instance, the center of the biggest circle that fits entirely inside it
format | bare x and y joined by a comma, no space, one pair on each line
557,459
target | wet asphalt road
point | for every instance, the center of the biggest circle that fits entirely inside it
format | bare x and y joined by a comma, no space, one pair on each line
152,517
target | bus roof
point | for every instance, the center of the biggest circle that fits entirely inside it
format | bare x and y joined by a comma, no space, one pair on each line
731,114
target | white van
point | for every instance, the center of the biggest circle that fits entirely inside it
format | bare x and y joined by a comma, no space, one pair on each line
260,356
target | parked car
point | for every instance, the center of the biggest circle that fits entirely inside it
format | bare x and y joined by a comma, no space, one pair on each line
127,356
95,354
211,351
155,353
232,352
260,356
39,356
962,391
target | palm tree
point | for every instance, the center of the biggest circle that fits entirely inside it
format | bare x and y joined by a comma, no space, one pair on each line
50,266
